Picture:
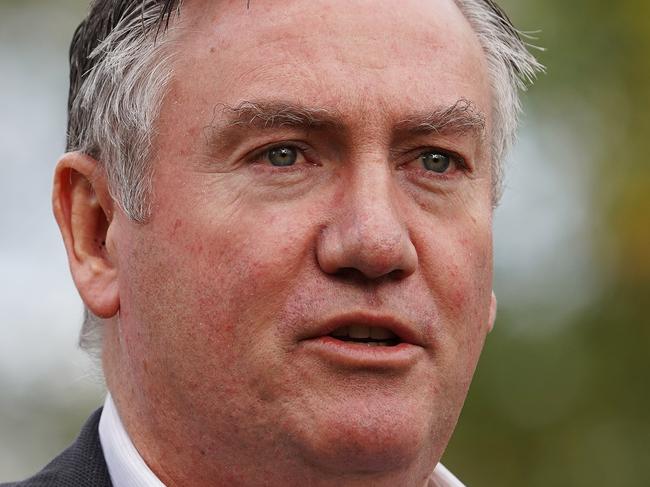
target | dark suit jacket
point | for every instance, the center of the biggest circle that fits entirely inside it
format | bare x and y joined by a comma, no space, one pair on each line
81,465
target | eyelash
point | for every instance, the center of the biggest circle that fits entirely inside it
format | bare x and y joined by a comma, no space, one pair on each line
259,156
458,160
459,163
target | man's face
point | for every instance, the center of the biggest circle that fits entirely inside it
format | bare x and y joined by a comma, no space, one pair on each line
321,167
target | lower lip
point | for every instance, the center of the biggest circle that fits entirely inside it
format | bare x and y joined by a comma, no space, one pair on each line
360,355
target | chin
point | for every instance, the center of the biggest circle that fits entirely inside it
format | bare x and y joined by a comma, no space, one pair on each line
370,439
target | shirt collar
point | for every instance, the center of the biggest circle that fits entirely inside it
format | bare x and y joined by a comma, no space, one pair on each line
444,478
127,468
125,465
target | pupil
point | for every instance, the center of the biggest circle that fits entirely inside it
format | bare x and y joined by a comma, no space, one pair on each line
283,156
435,162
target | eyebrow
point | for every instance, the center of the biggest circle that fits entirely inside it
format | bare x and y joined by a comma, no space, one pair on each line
231,123
463,117
272,114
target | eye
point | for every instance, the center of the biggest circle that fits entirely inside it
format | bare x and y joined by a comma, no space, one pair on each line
282,156
435,161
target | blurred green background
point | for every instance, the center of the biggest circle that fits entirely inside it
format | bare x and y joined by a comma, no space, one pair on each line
561,396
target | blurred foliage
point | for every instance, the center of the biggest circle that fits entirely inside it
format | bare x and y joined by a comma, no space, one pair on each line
39,419
573,408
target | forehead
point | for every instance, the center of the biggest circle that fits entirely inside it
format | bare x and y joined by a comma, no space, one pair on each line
366,54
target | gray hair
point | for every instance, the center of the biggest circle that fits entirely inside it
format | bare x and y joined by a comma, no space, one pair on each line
121,64
511,67
116,91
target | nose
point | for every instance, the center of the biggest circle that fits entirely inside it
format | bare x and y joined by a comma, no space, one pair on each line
368,234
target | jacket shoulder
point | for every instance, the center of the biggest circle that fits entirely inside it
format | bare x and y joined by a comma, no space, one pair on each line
82,464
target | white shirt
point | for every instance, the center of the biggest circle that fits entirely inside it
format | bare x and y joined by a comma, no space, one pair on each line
127,468
125,465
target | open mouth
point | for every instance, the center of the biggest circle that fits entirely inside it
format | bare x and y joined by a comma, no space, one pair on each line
365,340
371,336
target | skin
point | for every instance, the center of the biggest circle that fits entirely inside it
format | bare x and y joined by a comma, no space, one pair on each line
207,305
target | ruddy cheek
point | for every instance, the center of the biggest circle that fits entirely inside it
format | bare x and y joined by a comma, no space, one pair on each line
178,223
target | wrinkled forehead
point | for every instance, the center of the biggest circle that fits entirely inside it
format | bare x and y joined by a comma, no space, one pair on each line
378,52
329,19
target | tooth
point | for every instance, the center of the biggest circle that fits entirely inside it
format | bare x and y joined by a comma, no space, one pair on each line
359,332
381,334
341,332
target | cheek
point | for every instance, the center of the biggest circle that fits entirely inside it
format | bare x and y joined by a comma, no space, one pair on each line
458,270
198,297
471,272
457,265
219,275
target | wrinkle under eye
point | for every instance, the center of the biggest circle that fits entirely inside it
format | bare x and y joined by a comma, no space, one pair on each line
282,156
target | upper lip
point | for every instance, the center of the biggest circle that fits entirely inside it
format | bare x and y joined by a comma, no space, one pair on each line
405,331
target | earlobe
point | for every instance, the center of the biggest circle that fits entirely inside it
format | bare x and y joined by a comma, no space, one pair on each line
493,312
83,209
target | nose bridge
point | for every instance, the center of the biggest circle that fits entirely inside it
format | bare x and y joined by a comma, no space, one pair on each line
372,210
369,232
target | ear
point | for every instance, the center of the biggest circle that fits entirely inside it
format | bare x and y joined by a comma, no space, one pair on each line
493,312
83,208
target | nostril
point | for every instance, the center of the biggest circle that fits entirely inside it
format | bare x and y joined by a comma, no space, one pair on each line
351,274
397,274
